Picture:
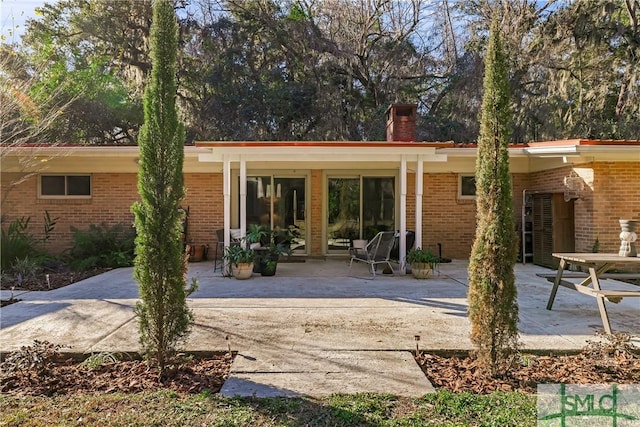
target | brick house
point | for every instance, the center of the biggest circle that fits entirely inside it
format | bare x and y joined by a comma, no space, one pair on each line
568,194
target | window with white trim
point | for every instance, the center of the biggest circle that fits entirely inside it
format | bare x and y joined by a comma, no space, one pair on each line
68,186
467,187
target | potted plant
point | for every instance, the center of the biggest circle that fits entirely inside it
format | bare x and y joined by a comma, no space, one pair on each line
286,236
273,244
271,256
423,262
241,258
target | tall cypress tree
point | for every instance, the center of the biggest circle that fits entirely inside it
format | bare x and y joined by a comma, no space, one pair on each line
493,309
162,310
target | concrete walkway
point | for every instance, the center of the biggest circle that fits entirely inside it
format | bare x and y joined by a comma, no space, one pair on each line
312,329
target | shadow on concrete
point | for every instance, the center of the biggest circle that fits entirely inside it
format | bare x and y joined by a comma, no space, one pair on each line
26,310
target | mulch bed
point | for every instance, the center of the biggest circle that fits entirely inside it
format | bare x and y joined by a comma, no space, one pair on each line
40,371
186,375
613,360
57,279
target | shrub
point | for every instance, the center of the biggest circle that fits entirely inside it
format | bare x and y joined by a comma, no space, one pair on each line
492,295
17,242
102,246
164,318
25,268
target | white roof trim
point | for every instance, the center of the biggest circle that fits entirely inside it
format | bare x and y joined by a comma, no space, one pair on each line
321,154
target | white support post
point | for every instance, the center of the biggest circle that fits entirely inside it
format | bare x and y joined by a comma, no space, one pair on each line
243,196
419,193
403,213
226,191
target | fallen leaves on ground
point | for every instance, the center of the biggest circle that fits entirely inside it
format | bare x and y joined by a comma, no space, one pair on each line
186,375
460,374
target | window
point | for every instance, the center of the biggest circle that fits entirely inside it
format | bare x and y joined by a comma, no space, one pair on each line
65,185
467,187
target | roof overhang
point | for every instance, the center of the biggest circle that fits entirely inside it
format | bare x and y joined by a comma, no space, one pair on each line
320,151
442,156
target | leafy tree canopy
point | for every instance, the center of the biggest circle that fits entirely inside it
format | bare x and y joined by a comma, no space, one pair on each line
305,70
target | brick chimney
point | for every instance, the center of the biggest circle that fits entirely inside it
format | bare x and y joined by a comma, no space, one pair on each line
401,122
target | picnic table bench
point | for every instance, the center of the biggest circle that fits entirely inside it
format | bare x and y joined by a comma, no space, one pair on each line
598,266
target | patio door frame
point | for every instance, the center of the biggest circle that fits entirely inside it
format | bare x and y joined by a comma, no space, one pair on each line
359,174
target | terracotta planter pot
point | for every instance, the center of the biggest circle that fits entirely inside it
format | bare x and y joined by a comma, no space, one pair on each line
242,271
197,253
420,270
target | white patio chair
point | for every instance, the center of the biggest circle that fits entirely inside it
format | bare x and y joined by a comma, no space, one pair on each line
377,251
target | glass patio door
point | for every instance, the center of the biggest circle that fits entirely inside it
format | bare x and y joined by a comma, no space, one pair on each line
343,214
358,208
278,203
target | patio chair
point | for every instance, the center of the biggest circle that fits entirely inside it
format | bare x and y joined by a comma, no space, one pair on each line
235,240
377,251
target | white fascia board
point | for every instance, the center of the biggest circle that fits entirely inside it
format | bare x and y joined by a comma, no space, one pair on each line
473,152
612,153
88,151
558,151
322,154
583,153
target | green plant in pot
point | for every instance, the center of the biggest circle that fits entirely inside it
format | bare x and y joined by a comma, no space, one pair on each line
271,256
273,244
286,236
423,262
240,258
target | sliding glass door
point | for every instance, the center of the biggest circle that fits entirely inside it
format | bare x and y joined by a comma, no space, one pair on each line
278,203
358,208
343,215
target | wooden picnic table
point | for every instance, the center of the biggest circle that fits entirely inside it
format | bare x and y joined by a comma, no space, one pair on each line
597,265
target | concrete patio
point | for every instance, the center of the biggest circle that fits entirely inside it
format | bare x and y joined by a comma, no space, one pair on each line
325,329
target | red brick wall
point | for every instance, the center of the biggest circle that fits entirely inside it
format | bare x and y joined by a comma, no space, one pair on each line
315,222
616,196
448,220
113,195
411,201
206,207
445,218
611,192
